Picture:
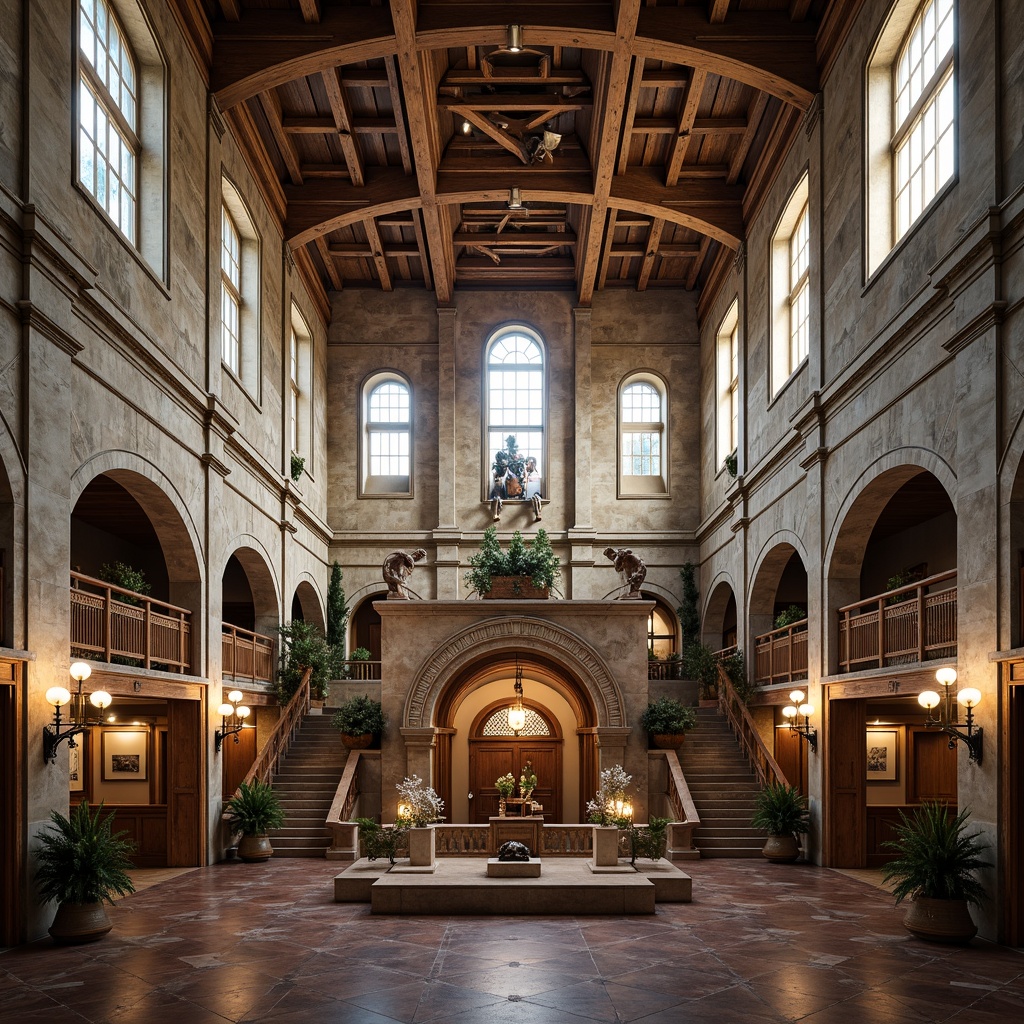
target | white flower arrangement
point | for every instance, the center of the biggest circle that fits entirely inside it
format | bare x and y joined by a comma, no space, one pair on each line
419,804
610,806
506,784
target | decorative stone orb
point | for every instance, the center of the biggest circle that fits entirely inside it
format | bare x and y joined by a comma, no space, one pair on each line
513,851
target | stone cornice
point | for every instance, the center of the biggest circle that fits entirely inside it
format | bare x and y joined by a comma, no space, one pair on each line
32,316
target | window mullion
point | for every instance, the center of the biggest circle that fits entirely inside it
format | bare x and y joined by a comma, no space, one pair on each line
928,93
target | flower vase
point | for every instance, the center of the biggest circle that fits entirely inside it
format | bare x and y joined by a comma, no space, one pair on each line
527,793
501,807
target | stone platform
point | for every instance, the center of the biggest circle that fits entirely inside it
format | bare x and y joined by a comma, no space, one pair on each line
462,886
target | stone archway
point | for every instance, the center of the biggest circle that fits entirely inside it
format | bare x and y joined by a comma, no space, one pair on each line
307,604
719,622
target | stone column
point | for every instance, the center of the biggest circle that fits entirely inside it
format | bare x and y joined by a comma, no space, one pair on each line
582,535
447,534
419,760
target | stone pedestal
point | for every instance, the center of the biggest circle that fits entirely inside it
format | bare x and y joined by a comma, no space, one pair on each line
606,846
421,847
513,868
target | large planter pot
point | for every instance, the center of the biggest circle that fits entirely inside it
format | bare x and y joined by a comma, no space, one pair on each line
80,922
316,707
940,920
255,849
668,740
421,847
781,849
360,742
606,846
515,588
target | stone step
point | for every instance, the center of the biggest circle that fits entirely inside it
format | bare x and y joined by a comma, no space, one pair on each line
744,832
717,842
730,852
294,832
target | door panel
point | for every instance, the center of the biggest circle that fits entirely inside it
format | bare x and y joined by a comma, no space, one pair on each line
491,758
932,768
846,845
184,784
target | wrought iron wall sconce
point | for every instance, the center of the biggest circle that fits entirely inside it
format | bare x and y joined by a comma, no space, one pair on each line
947,720
800,708
233,718
78,720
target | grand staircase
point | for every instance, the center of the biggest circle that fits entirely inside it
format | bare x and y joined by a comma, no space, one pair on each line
723,787
306,782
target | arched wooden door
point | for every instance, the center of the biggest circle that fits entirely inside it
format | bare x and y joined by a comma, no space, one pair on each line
494,750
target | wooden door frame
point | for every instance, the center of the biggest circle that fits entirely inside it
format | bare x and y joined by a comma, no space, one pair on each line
1010,826
13,884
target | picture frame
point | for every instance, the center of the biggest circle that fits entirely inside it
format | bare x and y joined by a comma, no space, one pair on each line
78,764
125,755
883,754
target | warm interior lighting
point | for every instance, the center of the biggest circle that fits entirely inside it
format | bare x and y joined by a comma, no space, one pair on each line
79,671
801,708
466,128
58,696
232,716
789,711
947,719
55,733
100,699
515,199
517,713
797,696
235,696
514,38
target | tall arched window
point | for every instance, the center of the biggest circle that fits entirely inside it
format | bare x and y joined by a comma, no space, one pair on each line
387,436
643,465
515,389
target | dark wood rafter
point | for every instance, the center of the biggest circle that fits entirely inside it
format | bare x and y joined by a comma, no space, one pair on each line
272,109
231,9
396,106
337,282
652,251
377,252
717,10
343,125
739,156
310,11
687,118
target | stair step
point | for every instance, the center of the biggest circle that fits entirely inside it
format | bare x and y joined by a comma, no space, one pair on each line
729,842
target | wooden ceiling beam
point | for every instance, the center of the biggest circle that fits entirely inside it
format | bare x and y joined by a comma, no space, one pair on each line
798,9
421,246
272,108
754,115
503,138
653,241
364,78
396,106
717,10
665,79
365,250
698,263
422,124
310,11
328,126
530,239
337,282
525,103
342,120
613,110
687,116
379,259
459,78
231,9
609,242
630,117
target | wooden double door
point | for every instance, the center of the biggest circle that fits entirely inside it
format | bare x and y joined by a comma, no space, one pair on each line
492,757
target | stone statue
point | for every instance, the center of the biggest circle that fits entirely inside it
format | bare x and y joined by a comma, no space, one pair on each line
396,570
513,851
631,570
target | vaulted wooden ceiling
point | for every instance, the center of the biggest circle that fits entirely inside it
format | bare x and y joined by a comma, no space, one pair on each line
389,136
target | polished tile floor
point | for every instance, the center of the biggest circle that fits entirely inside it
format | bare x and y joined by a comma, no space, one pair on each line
760,943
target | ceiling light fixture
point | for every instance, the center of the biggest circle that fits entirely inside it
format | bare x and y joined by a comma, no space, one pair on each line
515,199
514,39
466,128
542,146
517,713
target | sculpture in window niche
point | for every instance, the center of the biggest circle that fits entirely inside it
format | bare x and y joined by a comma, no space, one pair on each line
631,569
513,851
397,568
508,476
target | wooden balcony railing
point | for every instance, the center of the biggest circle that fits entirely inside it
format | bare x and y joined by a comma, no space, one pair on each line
743,728
912,624
140,631
664,668
357,669
781,655
246,655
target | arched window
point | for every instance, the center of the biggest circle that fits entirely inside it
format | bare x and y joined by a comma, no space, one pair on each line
515,390
911,128
122,122
387,436
661,630
643,464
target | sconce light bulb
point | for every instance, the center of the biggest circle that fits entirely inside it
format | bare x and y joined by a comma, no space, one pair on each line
627,810
242,711
969,697
111,718
58,696
466,128
797,696
100,699
225,711
789,711
516,718
928,699
806,710
946,676
80,671
515,38
235,696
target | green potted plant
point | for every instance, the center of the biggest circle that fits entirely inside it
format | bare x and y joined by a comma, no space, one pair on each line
360,720
83,863
517,573
782,814
381,841
303,645
668,720
934,867
794,613
253,811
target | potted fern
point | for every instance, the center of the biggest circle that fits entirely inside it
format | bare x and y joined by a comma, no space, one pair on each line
520,572
253,811
668,720
781,812
934,866
83,863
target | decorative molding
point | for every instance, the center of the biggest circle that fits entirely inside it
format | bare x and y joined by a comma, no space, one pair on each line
212,462
814,114
216,118
739,263
32,316
511,634
979,325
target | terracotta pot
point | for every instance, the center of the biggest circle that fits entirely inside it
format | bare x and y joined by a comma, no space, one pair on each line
80,922
255,849
515,588
940,920
781,849
668,740
360,742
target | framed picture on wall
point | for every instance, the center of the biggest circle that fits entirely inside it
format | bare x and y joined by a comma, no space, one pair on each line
124,755
883,755
77,764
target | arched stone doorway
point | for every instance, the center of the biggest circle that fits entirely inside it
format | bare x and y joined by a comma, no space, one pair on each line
560,672
719,628
307,606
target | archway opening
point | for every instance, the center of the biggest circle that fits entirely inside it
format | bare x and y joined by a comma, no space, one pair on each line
365,626
306,606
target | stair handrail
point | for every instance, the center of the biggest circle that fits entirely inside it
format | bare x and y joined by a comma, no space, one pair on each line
276,747
746,733
681,830
344,831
